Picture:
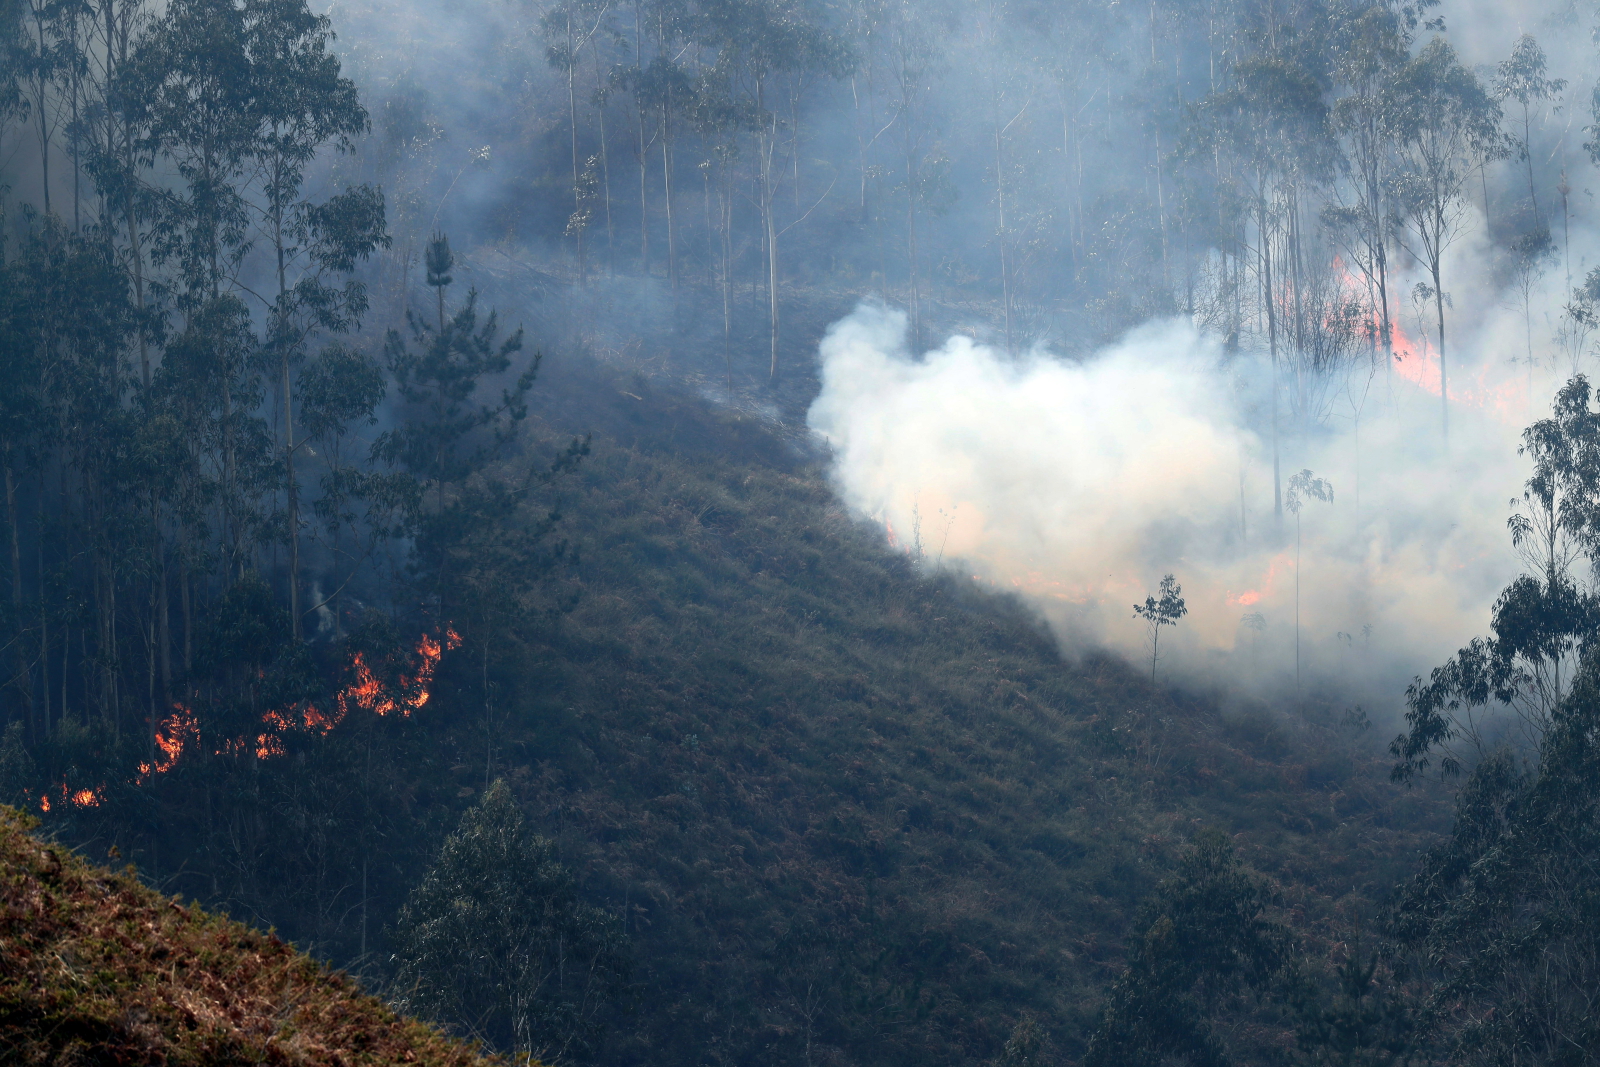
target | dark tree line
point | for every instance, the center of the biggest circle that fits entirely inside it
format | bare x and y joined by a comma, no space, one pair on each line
244,530
1489,952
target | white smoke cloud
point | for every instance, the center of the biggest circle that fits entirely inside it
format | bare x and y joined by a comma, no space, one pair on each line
1079,484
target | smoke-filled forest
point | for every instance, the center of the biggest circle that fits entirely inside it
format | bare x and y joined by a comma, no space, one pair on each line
814,532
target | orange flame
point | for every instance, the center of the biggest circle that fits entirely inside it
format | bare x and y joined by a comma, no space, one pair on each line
1417,361
78,798
173,733
368,692
181,729
1275,567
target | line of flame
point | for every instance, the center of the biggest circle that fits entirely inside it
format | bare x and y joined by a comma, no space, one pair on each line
180,731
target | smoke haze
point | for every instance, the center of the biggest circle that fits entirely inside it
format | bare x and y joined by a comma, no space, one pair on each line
1079,483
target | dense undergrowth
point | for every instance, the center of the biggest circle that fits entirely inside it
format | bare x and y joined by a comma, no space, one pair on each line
853,807
850,811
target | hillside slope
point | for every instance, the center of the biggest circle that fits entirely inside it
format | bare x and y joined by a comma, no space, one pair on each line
852,812
859,813
97,968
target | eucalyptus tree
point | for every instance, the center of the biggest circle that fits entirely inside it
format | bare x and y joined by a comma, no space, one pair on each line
1370,46
302,105
1164,609
1447,125
757,42
496,940
722,121
340,389
666,88
1541,621
913,59
1271,118
1531,255
40,55
1304,487
69,320
22,405
569,27
1497,922
1521,77
191,90
13,53
1203,937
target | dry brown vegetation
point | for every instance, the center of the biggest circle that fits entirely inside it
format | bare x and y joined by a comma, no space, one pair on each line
97,968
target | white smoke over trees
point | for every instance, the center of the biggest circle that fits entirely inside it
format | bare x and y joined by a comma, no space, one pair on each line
1079,483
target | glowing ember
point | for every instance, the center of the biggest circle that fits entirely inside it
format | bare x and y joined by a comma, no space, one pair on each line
78,798
181,730
369,693
175,731
1249,597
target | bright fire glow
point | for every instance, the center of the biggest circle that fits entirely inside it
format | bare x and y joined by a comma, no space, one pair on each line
1269,581
180,731
369,693
78,798
1417,361
175,731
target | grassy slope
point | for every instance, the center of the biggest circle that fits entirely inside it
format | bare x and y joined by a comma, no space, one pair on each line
861,814
854,813
97,968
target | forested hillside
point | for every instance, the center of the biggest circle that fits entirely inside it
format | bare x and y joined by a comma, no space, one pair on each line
615,524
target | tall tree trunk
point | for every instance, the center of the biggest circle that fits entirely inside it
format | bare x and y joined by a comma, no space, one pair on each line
24,675
292,489
913,295
1444,381
768,140
163,614
44,612
40,83
644,147
1272,347
1003,235
577,184
666,188
725,209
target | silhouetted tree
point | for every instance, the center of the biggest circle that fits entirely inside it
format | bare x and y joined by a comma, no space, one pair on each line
496,942
1165,609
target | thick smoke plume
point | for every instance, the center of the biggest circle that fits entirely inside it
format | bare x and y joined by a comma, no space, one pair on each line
1080,483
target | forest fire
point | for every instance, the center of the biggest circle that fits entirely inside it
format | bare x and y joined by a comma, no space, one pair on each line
181,730
369,693
1251,597
78,798
1417,361
173,733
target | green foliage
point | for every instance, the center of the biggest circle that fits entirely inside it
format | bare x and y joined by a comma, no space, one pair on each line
1204,938
1501,920
495,941
1363,1022
1541,620
1158,612
440,379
